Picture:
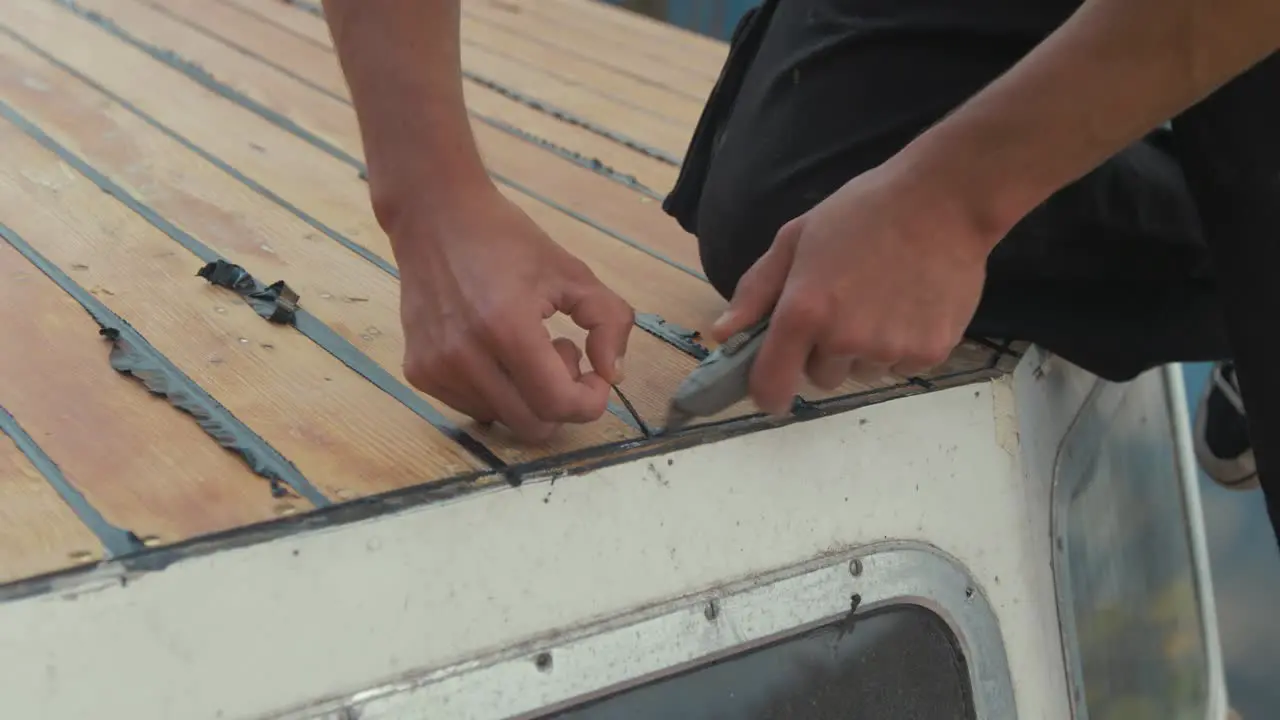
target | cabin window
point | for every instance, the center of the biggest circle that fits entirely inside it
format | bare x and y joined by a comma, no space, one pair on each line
898,662
1128,578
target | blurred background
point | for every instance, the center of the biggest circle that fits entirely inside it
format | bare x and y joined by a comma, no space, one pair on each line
1246,563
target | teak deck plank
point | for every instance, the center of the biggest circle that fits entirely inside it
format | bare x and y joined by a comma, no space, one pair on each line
346,436
319,66
690,80
38,531
638,39
139,461
665,134
575,69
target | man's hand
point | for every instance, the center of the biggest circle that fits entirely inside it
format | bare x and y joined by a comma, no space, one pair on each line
875,278
477,281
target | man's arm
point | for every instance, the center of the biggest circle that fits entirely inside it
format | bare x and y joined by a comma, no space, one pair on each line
402,62
1114,71
886,273
477,276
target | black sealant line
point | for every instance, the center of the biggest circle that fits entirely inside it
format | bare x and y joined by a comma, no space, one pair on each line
117,541
255,14
131,354
196,73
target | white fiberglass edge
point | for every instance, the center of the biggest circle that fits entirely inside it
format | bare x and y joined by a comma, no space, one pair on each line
252,631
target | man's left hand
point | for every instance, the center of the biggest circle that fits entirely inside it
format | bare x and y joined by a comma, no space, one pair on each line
882,276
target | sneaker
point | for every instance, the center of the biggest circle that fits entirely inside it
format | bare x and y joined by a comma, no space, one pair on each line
1222,433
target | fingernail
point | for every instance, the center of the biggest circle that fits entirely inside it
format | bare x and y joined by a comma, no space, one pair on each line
723,319
619,369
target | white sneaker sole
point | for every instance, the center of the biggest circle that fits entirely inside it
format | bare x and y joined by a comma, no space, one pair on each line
1238,473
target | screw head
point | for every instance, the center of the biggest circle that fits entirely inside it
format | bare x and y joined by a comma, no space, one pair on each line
855,567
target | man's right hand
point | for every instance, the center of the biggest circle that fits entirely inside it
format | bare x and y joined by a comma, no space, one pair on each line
478,278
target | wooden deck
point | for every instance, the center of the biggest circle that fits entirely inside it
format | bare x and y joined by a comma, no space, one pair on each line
144,139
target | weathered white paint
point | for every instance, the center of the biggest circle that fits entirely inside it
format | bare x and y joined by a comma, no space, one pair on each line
254,631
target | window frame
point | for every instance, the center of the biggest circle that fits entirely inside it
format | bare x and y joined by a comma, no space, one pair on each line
614,655
1079,444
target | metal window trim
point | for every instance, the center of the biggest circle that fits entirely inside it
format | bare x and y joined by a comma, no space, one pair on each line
1085,434
633,649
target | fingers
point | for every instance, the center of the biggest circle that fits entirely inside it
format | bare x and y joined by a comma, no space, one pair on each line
759,288
827,370
775,377
525,351
608,320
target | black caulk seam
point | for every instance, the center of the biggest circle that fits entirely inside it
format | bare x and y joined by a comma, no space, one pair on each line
204,154
639,421
306,323
131,354
175,61
117,541
510,93
651,82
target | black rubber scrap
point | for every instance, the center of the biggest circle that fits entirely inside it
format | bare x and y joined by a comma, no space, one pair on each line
276,302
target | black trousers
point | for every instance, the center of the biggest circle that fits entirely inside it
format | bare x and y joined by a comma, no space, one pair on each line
1167,252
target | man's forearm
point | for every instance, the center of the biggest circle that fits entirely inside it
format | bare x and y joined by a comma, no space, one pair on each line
401,59
1113,72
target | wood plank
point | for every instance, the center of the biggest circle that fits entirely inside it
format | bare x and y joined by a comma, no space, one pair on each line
143,464
319,66
583,70
356,299
619,208
348,437
688,75
38,531
669,136
633,30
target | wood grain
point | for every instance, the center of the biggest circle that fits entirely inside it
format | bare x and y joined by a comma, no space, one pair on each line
637,38
38,532
145,465
356,299
344,434
617,114
611,204
685,73
319,66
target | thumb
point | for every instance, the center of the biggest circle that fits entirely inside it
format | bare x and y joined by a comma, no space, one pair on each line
607,318
760,287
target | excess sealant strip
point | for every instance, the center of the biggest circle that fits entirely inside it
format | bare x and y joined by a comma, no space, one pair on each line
275,302
117,541
131,354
